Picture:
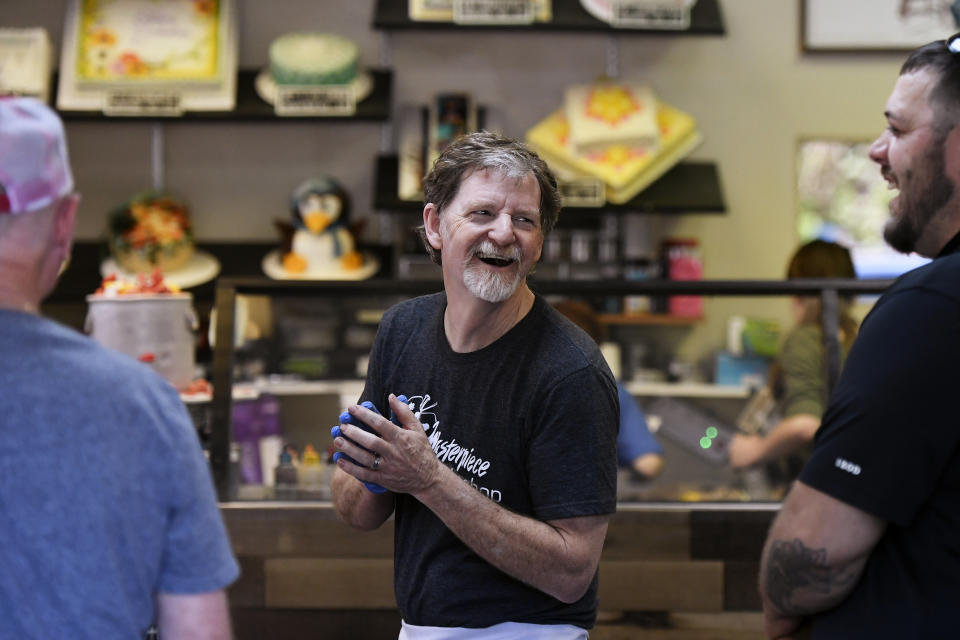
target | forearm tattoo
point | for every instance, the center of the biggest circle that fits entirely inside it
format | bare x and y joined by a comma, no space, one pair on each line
793,567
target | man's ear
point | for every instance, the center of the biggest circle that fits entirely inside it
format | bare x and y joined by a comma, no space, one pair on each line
431,225
64,225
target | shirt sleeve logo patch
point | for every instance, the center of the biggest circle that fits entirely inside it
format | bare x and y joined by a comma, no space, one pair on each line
847,466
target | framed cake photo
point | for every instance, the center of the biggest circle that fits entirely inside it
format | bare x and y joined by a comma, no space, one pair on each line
836,26
142,57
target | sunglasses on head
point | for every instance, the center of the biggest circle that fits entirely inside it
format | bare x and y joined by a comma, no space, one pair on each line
953,43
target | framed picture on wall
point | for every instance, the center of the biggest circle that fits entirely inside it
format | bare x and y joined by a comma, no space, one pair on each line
842,197
876,25
147,58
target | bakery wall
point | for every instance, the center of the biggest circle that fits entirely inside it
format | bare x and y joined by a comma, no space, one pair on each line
753,91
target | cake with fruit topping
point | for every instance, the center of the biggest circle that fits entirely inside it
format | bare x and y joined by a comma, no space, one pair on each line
151,232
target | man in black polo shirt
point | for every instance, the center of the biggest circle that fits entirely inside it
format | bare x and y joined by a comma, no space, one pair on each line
867,544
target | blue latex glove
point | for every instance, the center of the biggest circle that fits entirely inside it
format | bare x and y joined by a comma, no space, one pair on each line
347,418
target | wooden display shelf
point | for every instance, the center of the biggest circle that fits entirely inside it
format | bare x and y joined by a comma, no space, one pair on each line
689,187
706,19
252,108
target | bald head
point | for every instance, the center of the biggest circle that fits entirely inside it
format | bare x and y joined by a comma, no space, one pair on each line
32,250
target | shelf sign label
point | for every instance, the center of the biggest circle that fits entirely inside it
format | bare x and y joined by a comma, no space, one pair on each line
306,100
651,14
582,192
143,103
493,12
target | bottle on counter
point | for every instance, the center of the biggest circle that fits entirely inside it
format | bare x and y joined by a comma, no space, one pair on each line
311,469
285,476
681,260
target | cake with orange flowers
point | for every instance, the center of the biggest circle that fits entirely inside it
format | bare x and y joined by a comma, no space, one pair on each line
606,113
151,232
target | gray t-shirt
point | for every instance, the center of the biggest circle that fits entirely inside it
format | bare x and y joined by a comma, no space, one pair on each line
106,496
530,421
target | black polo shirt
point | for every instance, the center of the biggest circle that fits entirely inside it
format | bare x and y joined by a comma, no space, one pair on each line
889,444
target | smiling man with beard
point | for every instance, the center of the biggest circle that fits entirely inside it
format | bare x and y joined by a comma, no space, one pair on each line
867,543
501,538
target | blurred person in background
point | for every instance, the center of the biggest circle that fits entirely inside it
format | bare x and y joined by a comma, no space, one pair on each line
798,379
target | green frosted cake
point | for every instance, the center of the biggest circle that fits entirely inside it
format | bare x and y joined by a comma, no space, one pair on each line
313,58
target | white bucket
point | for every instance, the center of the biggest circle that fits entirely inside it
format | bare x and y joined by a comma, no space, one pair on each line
158,329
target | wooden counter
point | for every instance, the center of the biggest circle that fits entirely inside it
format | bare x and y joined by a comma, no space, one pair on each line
671,570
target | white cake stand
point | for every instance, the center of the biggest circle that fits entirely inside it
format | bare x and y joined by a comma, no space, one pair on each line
273,267
201,267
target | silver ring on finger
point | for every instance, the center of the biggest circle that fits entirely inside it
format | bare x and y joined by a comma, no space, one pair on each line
376,461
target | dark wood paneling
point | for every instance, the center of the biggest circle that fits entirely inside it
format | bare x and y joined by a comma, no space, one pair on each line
650,535
299,561
728,535
329,583
661,586
248,590
740,592
303,532
305,624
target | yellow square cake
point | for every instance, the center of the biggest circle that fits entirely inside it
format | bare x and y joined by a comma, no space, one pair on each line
624,171
606,113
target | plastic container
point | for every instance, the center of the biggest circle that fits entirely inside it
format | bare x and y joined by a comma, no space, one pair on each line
311,469
681,261
285,476
158,329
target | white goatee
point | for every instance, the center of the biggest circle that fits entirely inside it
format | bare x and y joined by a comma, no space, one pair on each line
488,285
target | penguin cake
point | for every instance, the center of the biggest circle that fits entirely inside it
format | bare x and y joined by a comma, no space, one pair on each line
317,242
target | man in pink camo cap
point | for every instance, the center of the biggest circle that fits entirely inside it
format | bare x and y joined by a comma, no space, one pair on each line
35,179
108,517
33,159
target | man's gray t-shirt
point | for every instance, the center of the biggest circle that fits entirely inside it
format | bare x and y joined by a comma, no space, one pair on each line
106,497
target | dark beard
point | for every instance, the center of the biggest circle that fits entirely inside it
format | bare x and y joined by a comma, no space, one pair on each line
904,232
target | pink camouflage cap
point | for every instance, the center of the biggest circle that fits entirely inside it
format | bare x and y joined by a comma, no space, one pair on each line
34,166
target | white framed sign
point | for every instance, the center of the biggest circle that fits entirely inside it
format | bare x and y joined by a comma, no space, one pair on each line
160,58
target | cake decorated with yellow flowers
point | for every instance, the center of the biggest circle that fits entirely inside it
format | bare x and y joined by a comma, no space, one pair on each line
151,231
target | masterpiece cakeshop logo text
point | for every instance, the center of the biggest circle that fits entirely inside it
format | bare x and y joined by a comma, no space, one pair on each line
464,461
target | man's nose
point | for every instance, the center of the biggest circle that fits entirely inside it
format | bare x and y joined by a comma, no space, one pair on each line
502,229
878,149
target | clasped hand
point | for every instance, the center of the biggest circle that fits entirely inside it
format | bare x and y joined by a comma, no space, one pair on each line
407,461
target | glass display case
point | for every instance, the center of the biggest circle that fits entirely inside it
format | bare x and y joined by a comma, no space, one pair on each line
293,355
